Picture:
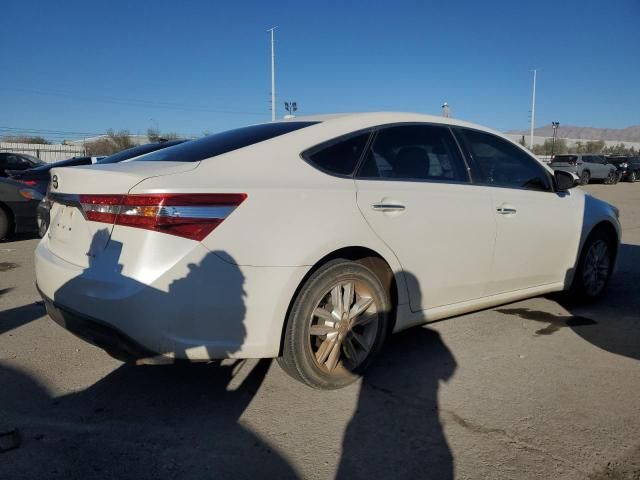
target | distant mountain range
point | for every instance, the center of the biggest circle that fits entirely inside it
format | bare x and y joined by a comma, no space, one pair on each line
629,134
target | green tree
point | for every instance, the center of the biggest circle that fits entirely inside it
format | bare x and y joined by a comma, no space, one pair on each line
26,139
594,146
113,142
153,134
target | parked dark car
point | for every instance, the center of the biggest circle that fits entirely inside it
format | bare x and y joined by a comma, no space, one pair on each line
587,167
628,167
18,205
17,161
38,178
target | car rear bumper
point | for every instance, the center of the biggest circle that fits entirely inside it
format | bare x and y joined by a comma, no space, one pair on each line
203,307
114,342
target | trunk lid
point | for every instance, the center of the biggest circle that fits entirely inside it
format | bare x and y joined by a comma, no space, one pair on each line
71,236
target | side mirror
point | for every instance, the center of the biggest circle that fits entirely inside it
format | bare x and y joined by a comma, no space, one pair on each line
565,180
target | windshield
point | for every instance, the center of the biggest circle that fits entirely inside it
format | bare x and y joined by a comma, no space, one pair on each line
223,142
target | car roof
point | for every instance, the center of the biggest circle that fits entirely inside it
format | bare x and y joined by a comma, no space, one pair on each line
375,118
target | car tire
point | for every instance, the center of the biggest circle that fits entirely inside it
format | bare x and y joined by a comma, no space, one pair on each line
594,268
611,178
585,177
43,226
5,224
325,345
633,176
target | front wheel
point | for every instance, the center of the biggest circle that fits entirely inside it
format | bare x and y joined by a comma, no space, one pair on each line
594,268
336,326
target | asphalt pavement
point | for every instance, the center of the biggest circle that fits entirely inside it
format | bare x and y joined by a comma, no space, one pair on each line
530,390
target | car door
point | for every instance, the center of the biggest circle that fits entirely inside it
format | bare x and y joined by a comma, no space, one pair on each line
413,189
602,167
538,229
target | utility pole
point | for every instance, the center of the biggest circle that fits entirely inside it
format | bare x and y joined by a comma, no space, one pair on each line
446,112
533,107
273,74
555,126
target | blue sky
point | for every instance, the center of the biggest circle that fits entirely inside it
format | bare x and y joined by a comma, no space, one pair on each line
194,66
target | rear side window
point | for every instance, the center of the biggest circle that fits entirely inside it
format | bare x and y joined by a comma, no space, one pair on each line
499,163
340,156
414,152
223,142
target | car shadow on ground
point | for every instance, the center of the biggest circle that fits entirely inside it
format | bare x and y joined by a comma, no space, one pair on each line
611,323
169,421
16,317
184,421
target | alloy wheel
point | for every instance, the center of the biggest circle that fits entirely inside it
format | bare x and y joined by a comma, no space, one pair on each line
597,265
343,326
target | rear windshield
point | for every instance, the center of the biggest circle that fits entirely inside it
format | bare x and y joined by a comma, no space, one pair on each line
140,150
222,142
564,158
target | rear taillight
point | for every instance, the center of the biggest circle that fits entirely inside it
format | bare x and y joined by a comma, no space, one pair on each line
192,215
31,183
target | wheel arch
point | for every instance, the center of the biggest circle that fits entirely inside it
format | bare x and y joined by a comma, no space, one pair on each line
363,255
610,231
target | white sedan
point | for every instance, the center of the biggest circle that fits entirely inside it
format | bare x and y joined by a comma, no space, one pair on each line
311,239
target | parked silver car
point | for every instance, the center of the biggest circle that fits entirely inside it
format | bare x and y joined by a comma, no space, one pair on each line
587,167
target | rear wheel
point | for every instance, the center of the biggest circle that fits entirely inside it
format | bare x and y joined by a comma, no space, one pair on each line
336,326
594,268
611,179
5,224
585,177
616,178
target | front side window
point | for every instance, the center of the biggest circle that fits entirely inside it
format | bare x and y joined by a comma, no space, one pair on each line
499,163
414,152
339,157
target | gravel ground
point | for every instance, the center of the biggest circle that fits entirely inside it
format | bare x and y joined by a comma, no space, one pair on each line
531,390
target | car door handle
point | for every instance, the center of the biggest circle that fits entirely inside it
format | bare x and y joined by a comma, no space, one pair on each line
388,207
504,210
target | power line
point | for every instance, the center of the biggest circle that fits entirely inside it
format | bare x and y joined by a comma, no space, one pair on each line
135,102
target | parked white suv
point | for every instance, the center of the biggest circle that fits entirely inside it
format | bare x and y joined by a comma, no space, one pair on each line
311,239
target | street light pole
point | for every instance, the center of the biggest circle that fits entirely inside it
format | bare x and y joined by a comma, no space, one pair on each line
555,126
273,75
533,108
